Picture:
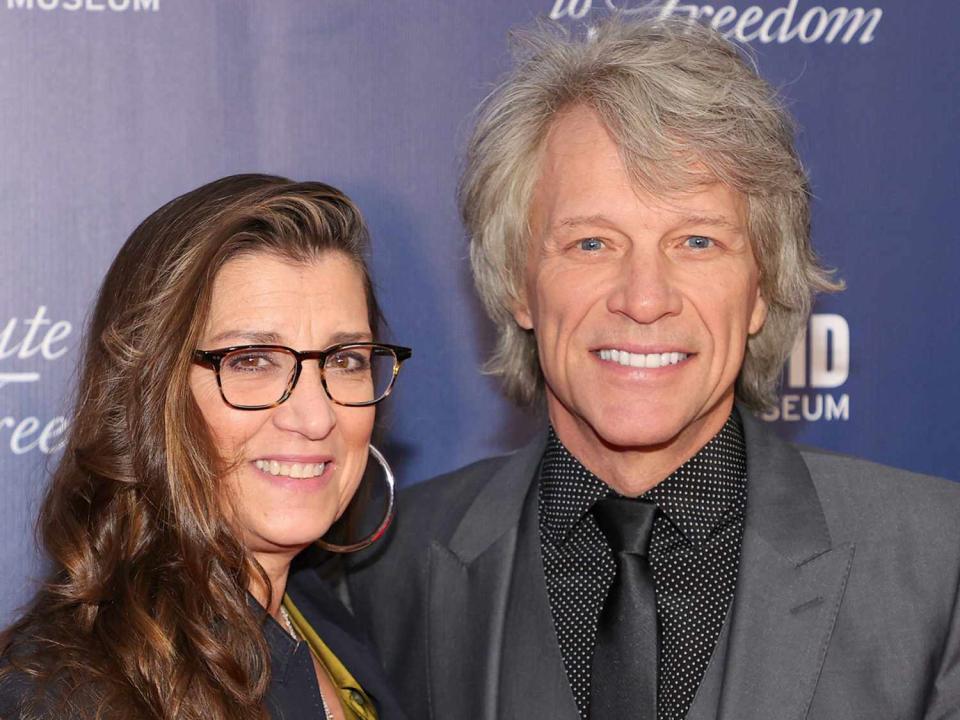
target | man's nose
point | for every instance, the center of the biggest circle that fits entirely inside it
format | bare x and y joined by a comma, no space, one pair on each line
645,291
308,411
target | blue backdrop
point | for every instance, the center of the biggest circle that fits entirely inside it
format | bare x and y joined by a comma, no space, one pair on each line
108,108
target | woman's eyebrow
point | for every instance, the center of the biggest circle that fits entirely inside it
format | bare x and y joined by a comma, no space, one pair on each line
258,337
348,337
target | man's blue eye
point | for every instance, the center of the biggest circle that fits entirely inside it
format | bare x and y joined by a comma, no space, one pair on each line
699,242
591,244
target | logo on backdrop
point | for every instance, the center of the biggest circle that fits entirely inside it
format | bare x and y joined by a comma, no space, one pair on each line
818,366
783,24
25,344
86,5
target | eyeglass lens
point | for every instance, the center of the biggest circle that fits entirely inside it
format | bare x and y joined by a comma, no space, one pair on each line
261,377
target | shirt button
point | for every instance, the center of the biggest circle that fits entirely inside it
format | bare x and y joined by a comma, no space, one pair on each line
357,697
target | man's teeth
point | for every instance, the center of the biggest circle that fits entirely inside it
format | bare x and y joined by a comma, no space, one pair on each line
640,360
294,470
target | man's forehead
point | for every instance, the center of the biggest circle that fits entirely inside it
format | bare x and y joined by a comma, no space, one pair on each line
581,167
563,208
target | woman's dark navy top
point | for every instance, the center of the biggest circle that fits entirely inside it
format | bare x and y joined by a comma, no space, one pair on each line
294,693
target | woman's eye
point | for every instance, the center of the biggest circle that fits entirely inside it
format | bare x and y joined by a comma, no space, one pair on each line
250,362
699,242
348,360
591,244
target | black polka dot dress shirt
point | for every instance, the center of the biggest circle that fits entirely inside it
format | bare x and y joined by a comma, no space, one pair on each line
694,554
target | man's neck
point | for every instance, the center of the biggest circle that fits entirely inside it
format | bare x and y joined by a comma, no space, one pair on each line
632,471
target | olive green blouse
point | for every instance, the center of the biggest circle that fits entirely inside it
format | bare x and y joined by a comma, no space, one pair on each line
356,703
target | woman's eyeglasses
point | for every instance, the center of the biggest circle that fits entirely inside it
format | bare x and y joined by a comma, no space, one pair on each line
257,377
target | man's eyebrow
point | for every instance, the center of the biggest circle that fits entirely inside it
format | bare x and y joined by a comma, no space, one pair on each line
719,221
578,220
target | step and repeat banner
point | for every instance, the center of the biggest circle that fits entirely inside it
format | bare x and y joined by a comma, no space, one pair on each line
109,108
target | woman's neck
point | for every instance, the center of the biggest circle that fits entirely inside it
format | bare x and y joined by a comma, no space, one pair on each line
277,568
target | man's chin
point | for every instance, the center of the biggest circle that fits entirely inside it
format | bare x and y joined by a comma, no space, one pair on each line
622,431
620,423
672,430
624,436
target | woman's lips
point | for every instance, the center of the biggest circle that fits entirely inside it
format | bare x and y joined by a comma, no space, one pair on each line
301,471
290,469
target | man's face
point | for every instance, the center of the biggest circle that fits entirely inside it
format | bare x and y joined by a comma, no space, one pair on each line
641,305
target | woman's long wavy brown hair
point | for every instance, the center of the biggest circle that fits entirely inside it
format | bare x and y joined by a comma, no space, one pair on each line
146,613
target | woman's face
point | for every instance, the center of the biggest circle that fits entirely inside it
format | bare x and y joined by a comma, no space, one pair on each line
263,299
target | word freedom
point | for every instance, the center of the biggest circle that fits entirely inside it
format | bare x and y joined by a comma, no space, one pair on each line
780,25
86,5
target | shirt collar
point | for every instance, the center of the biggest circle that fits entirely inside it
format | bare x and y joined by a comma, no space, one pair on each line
567,490
697,508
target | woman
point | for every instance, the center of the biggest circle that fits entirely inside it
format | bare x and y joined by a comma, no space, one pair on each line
222,427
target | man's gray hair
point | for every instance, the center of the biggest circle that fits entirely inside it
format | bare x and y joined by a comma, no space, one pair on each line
685,108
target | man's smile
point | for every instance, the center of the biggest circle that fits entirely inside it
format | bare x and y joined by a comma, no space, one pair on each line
642,360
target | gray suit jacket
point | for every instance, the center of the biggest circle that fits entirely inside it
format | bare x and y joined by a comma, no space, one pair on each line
845,607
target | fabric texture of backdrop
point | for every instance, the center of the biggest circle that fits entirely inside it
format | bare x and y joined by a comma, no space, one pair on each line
109,108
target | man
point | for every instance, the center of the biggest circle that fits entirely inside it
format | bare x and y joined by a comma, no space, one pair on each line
639,228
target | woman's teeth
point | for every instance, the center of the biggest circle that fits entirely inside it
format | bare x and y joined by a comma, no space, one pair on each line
648,360
294,470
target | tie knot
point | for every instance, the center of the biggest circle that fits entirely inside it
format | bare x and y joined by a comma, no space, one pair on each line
627,523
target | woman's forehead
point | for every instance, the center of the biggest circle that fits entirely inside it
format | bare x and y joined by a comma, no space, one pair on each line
265,298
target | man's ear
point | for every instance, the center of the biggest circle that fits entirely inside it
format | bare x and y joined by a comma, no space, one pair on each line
759,314
521,312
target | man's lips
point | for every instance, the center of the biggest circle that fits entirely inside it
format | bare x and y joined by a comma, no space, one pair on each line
642,357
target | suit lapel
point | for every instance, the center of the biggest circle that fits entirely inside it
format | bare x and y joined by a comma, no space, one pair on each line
486,615
533,679
466,614
791,582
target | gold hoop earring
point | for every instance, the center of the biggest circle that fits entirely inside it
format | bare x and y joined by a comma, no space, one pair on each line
384,523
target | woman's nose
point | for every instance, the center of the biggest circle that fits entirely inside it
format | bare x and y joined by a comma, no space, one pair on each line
308,411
